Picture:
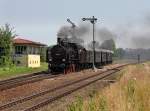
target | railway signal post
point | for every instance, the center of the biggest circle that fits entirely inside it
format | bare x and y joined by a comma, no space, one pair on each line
93,21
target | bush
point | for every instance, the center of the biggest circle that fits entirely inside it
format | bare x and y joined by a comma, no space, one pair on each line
6,45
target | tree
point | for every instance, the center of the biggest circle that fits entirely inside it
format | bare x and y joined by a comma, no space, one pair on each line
6,44
119,53
43,54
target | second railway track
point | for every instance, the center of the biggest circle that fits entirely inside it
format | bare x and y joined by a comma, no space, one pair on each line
43,98
18,81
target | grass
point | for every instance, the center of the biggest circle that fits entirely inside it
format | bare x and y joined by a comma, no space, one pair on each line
130,93
16,71
76,106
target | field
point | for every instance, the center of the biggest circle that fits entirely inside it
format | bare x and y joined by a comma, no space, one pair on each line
130,93
16,71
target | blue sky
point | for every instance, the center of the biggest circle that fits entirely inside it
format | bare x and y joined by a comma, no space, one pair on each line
40,20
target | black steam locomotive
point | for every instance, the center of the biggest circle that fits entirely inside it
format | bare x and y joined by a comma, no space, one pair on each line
69,57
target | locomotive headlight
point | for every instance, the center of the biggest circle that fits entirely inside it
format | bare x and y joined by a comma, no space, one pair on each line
63,60
50,59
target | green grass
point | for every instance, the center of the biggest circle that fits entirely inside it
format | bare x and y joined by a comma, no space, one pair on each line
77,105
16,71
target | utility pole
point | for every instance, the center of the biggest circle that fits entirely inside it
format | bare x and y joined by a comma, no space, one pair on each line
93,21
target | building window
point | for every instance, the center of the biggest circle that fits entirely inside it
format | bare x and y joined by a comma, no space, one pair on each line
33,50
20,49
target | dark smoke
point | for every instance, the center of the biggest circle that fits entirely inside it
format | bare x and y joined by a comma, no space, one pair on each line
105,34
128,35
108,44
83,34
76,35
90,45
82,30
64,32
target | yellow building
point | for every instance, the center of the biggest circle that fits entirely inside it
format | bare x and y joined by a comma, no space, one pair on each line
27,53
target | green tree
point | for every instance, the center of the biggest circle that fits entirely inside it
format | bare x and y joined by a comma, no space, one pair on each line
43,53
6,45
119,53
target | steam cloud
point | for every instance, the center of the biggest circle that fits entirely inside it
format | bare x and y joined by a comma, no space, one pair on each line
133,35
141,41
105,34
142,37
83,33
73,35
147,20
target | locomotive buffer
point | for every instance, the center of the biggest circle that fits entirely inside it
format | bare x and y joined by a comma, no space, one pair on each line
93,21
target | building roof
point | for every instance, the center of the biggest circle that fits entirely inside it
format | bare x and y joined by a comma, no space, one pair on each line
28,42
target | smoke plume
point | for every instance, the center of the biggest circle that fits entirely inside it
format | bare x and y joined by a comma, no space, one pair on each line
83,33
129,35
64,32
76,35
147,20
135,35
142,41
105,34
108,44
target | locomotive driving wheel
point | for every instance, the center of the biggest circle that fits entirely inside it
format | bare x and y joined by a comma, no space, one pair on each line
70,68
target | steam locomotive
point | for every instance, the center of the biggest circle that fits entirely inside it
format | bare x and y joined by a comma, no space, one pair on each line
67,56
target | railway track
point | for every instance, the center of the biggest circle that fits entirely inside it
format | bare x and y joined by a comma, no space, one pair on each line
25,79
21,80
43,98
